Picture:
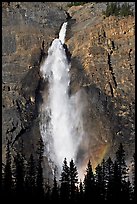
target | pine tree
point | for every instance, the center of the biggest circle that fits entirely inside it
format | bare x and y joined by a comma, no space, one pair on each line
19,175
76,200
121,168
112,9
120,159
126,190
100,183
7,180
73,180
48,195
126,9
89,183
2,182
116,192
103,165
20,170
65,182
133,178
30,179
39,176
109,179
120,174
55,191
81,193
115,9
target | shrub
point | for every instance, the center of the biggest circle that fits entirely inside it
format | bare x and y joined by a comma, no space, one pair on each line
126,10
114,9
77,3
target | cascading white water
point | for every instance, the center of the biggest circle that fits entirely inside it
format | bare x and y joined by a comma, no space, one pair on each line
62,33
61,122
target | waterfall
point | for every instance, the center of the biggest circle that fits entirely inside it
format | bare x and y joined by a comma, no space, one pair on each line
60,118
62,32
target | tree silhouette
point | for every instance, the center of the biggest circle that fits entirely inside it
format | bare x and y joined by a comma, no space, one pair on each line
20,170
55,191
109,179
81,192
48,194
73,180
109,182
116,183
2,180
39,176
127,190
89,183
7,180
65,182
103,165
30,178
121,170
19,175
120,159
133,177
99,183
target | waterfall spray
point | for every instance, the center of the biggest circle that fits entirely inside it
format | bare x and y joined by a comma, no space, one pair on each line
61,115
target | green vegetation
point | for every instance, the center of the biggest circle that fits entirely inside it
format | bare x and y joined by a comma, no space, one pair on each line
126,10
77,3
114,9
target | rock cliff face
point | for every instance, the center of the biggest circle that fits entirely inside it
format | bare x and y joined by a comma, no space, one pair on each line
103,64
103,67
28,30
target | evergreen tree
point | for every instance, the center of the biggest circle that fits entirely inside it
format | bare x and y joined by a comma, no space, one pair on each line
48,195
116,194
7,180
126,190
39,176
133,177
109,179
76,200
126,9
120,174
20,170
19,175
55,191
120,159
73,180
112,8
122,190
2,182
115,9
99,183
65,182
89,183
103,165
30,179
81,193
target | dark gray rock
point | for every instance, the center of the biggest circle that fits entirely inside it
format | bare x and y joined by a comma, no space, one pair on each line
8,44
25,27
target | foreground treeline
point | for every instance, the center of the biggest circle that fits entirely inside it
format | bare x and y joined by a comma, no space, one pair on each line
23,181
